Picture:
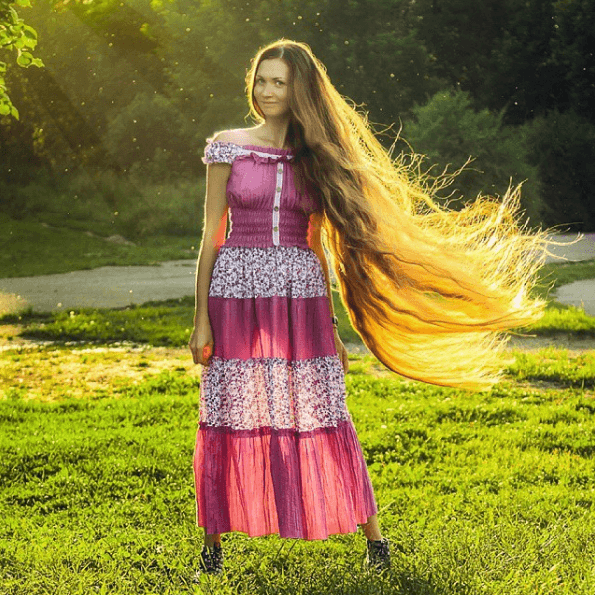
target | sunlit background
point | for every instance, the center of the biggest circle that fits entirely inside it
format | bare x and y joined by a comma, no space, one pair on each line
104,165
479,493
112,129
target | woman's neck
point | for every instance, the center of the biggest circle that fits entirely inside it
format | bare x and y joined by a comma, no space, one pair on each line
273,134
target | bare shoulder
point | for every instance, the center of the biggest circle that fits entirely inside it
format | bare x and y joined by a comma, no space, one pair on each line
234,135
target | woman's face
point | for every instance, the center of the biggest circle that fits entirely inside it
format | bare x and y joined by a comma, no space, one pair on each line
271,87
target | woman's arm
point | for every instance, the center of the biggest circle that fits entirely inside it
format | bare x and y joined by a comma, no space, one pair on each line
213,236
215,219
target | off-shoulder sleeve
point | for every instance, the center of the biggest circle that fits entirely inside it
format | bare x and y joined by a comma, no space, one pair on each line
220,152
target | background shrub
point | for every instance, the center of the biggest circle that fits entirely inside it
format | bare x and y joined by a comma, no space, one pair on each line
562,148
447,130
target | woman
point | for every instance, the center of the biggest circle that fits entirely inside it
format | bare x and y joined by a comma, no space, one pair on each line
429,290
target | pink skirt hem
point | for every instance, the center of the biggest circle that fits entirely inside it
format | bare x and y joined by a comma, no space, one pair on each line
306,485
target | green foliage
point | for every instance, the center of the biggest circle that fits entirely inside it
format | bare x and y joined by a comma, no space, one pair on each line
562,148
508,53
374,57
20,37
177,68
478,493
572,50
522,63
447,130
148,137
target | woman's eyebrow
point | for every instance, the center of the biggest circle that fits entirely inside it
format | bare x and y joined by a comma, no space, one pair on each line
275,78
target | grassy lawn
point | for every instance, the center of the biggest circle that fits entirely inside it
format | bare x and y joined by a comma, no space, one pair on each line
166,323
479,494
29,248
562,273
559,318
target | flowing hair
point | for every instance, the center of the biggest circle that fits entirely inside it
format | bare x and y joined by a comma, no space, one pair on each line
430,290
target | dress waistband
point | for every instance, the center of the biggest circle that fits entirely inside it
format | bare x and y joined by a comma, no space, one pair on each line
256,229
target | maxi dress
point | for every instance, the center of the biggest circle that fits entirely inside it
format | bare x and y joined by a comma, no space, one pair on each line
276,449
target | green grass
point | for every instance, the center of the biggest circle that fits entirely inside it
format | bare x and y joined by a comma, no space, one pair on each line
478,493
555,366
28,248
562,273
156,323
559,318
45,224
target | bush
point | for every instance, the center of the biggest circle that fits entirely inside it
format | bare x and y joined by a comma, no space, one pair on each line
447,130
152,138
562,147
171,209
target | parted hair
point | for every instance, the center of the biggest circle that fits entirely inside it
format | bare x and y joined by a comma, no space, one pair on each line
431,291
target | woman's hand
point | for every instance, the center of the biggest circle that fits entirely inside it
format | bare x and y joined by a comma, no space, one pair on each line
201,343
341,351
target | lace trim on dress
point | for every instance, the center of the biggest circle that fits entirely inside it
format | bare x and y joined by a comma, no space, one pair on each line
227,152
249,272
273,392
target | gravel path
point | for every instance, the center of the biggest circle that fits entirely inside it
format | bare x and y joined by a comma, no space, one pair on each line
114,287
104,287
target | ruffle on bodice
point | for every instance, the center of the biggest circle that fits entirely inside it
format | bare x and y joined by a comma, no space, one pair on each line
228,152
260,159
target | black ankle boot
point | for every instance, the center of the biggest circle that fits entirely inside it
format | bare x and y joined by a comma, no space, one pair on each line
216,559
378,554
210,561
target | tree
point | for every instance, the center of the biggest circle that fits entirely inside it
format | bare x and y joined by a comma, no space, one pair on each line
500,51
448,131
17,36
572,51
370,48
562,147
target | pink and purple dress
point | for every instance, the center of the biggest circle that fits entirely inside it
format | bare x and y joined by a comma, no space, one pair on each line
276,450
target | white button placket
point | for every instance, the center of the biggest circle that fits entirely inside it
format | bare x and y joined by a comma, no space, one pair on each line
277,202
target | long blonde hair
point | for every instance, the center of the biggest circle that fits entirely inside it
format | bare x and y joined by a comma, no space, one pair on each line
431,291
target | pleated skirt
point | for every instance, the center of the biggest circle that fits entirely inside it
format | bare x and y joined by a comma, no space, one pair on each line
276,450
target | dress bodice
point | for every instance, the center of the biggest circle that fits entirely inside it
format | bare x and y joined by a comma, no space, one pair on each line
266,209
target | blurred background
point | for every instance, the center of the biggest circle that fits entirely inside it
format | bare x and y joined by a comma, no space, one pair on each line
103,166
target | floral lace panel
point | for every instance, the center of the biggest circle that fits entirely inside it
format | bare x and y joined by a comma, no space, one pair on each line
221,152
249,272
273,392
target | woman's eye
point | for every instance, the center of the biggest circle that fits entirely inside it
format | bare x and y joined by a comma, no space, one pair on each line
261,81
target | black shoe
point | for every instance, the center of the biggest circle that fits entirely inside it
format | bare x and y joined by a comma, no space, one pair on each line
217,558
378,554
210,561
